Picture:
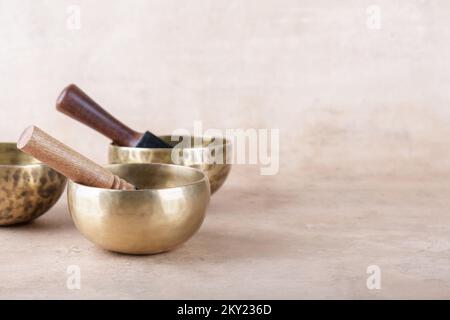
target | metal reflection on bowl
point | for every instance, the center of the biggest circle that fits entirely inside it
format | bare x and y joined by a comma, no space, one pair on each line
28,188
195,156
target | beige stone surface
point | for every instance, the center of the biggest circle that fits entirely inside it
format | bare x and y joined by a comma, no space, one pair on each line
364,142
263,238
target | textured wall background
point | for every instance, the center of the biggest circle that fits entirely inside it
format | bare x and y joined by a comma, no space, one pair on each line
348,99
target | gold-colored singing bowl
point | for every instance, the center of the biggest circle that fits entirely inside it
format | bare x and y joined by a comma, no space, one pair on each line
28,188
166,211
192,157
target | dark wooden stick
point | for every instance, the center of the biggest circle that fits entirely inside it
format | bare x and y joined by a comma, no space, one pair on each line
78,105
67,161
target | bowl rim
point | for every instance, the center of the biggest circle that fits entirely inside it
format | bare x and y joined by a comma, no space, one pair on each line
15,165
226,143
203,179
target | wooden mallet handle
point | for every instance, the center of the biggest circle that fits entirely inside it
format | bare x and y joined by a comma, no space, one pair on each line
78,105
67,161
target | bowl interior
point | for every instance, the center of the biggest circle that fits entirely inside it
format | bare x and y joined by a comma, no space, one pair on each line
10,155
191,141
157,176
187,142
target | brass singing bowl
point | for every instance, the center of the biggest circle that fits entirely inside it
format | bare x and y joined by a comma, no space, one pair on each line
28,188
166,211
195,156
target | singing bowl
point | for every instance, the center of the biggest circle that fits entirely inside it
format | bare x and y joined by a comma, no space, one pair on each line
28,188
166,210
193,156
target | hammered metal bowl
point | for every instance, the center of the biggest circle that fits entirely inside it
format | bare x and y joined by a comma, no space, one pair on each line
166,211
195,157
28,188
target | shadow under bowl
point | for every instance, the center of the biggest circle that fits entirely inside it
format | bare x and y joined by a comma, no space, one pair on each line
208,154
28,188
166,211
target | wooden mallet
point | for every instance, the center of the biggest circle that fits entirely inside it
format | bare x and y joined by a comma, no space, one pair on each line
67,161
76,104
